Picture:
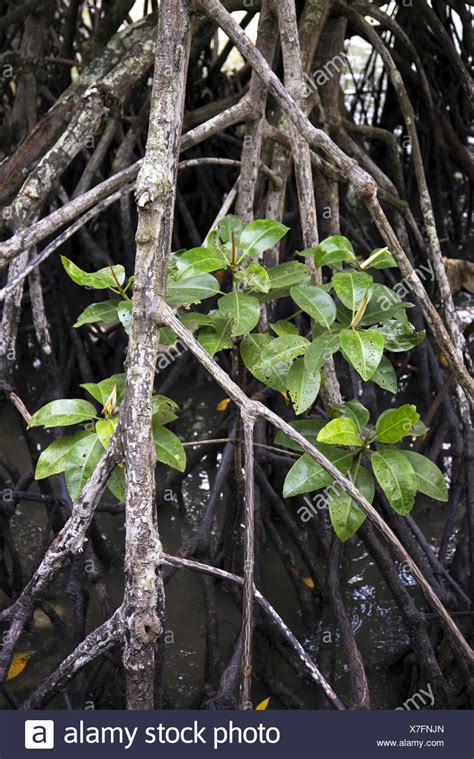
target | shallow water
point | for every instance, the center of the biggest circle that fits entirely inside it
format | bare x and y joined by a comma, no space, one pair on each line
373,614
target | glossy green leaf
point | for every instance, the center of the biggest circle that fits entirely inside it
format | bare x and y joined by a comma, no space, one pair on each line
218,336
163,409
385,376
419,429
53,458
400,335
384,305
101,390
340,431
254,276
167,336
395,423
116,483
191,291
194,319
106,312
230,226
396,477
284,327
287,274
197,261
352,410
169,448
345,515
429,479
303,386
316,302
260,235
242,309
251,349
307,475
275,359
309,428
105,429
333,250
351,287
363,349
380,258
98,280
81,462
63,413
321,350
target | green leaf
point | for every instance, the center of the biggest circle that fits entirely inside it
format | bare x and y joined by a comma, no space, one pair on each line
275,359
105,429
395,423
344,316
228,226
167,336
194,319
101,390
315,302
384,305
351,287
63,413
352,410
429,479
53,458
124,313
419,429
345,515
287,274
307,475
220,239
196,261
218,336
169,448
363,350
254,276
163,409
244,310
333,250
106,312
396,477
116,483
340,431
260,235
191,291
309,428
98,280
250,350
321,350
380,258
401,336
284,327
81,462
302,385
385,376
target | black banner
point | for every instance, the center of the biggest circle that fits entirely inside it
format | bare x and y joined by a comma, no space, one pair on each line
202,735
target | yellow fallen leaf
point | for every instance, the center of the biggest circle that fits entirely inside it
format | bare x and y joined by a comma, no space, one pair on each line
222,405
18,664
308,581
443,360
262,705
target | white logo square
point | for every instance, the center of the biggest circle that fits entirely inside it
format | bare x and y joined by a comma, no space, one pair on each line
39,733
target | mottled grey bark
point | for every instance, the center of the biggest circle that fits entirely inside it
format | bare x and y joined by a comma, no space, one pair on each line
155,193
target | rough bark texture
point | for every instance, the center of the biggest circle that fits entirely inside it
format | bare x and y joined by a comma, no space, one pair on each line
279,136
